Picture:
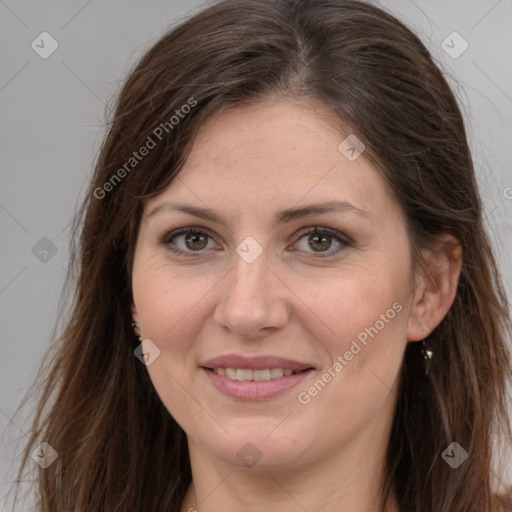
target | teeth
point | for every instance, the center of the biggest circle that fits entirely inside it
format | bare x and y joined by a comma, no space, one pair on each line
275,373
244,374
261,374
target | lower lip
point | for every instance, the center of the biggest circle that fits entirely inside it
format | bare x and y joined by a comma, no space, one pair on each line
255,390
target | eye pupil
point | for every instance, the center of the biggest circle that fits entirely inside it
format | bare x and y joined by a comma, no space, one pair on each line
194,238
325,241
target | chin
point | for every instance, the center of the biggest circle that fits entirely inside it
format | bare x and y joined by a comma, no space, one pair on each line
261,450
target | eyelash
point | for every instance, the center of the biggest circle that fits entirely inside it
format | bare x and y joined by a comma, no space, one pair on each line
342,239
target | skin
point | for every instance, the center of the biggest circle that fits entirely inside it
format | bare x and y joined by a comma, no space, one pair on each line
246,164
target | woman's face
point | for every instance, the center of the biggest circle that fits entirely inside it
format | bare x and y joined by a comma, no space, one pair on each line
297,260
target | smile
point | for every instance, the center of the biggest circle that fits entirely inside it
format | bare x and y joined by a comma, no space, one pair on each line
254,385
245,374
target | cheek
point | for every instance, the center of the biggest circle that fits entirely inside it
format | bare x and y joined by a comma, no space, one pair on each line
337,308
363,356
166,301
366,310
167,307
362,304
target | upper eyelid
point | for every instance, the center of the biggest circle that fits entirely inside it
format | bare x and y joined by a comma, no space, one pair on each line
299,234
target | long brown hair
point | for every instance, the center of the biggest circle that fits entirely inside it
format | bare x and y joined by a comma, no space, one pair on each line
118,447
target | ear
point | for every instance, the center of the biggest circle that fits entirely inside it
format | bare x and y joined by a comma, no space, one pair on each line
436,286
135,316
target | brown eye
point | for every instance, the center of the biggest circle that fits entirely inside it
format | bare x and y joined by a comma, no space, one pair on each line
186,241
320,240
196,241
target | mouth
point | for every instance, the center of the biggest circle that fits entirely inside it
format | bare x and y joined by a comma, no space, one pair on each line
246,374
254,378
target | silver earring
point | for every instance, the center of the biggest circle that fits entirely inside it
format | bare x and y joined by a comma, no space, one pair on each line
136,327
428,354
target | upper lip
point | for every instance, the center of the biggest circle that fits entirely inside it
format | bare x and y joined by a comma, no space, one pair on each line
254,363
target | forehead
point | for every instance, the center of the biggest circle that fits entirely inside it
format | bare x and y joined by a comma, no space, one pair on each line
285,152
285,133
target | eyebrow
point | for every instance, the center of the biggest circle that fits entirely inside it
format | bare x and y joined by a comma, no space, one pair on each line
287,215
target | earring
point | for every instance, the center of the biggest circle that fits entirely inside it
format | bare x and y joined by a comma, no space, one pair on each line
136,330
428,354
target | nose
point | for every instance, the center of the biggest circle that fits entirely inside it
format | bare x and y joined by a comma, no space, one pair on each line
253,299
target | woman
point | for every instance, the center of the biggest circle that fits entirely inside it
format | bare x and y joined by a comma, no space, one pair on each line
286,298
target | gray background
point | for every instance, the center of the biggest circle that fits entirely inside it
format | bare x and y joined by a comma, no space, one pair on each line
52,113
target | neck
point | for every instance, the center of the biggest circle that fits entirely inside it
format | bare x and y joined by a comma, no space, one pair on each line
348,479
